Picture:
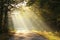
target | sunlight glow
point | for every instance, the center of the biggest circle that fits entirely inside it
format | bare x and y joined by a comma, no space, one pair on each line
24,18
21,4
22,31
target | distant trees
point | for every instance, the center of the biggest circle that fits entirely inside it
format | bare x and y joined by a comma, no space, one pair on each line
51,13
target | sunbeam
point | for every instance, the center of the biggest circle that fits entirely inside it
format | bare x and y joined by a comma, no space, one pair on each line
24,18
